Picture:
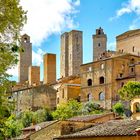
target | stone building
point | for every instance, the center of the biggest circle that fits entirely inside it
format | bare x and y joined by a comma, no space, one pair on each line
33,98
68,92
49,68
71,53
129,42
100,80
25,58
99,43
34,75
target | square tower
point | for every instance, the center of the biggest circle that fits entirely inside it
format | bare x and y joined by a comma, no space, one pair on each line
99,43
64,55
25,58
49,61
34,75
71,53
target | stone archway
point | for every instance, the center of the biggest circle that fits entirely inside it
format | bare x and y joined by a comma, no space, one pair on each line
134,105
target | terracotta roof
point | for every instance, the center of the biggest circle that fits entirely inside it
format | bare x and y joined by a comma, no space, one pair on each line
111,128
42,125
87,118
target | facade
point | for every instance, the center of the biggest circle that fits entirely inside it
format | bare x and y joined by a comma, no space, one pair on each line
128,42
49,68
99,43
25,58
71,53
100,80
34,75
34,98
68,92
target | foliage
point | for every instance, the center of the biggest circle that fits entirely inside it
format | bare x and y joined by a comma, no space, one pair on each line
28,117
118,108
12,18
12,127
68,110
91,108
130,90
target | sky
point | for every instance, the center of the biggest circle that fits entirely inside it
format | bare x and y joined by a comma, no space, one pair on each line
48,19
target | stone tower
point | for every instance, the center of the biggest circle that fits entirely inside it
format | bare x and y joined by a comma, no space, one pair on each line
71,53
25,58
64,55
99,43
49,61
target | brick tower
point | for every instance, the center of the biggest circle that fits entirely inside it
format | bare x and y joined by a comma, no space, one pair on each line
71,53
99,43
25,58
49,61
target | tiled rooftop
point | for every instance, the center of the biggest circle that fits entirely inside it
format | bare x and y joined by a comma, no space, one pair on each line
87,118
111,128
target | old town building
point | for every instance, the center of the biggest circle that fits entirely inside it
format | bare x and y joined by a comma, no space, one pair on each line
71,56
100,80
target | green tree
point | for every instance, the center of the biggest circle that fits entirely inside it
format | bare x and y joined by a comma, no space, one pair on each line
118,108
68,110
12,127
91,108
130,90
12,19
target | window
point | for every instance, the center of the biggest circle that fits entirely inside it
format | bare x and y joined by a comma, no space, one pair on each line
122,84
132,69
99,44
133,49
120,75
122,50
102,66
89,97
89,82
63,93
57,100
90,69
132,61
101,96
101,80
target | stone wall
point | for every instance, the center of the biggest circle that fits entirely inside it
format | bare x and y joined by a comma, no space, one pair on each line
34,98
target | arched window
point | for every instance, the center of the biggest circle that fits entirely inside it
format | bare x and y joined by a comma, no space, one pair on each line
89,97
102,80
89,82
101,96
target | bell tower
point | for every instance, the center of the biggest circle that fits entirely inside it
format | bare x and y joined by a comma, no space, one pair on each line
25,58
99,43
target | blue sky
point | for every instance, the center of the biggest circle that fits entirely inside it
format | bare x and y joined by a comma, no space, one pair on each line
57,16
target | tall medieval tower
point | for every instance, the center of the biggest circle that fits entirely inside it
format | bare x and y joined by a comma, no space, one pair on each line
49,61
25,58
71,53
99,43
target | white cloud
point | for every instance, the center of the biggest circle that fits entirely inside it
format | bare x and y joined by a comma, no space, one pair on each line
131,6
37,57
112,46
46,17
13,71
